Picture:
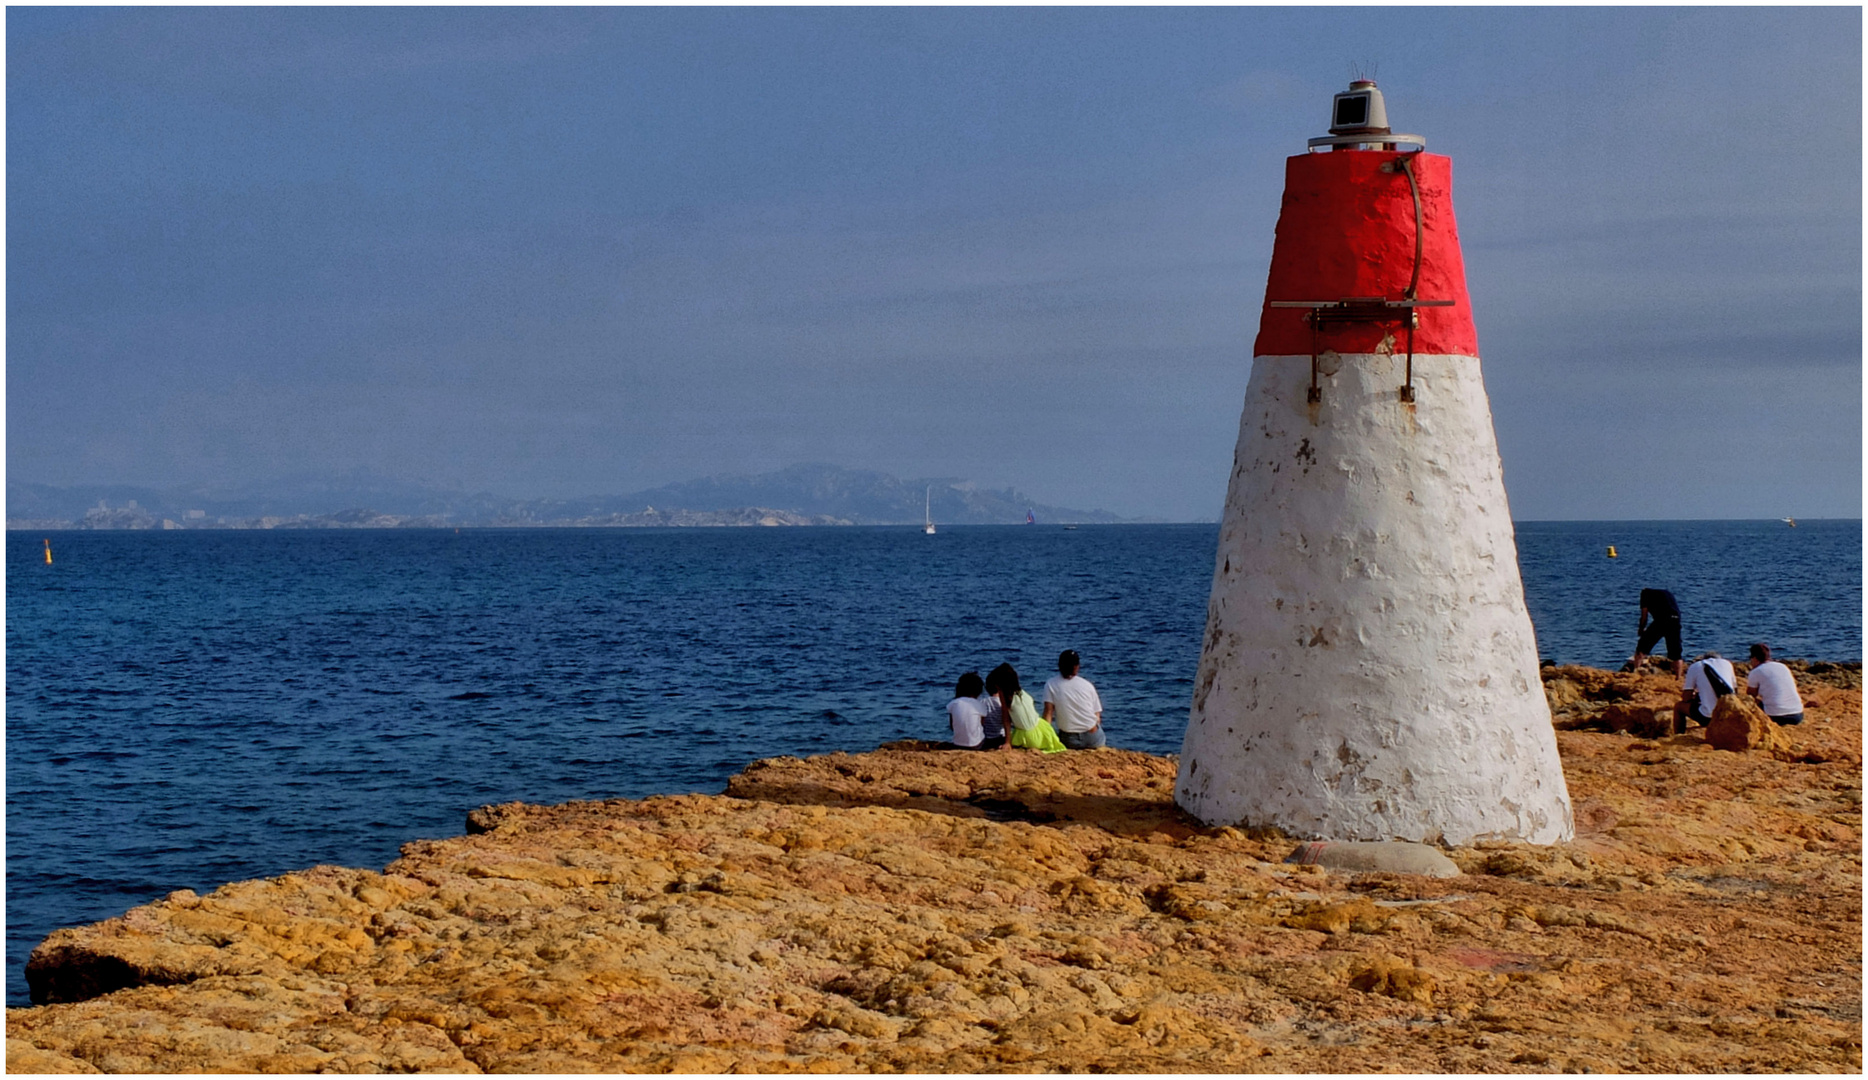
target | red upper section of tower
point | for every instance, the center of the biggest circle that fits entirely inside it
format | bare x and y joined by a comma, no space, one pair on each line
1347,229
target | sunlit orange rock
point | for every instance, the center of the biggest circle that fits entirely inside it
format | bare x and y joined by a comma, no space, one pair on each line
1739,724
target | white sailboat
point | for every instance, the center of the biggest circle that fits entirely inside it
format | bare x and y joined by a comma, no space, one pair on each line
928,509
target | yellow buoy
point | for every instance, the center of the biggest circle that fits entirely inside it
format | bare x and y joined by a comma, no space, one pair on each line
1612,554
48,551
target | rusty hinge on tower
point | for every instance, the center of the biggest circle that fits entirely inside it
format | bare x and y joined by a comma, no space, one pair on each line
1353,309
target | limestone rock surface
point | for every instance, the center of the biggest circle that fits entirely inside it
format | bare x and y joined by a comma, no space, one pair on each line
1392,856
910,910
1641,703
1739,724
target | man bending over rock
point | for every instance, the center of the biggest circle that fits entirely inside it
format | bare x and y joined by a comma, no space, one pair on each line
1664,610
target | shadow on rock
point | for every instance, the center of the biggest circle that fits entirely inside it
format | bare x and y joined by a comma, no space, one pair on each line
1121,791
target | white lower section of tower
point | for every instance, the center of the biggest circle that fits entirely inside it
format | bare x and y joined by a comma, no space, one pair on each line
1369,670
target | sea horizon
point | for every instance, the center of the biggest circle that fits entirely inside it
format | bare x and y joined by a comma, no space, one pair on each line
902,525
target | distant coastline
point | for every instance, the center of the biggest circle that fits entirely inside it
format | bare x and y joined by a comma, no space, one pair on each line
127,520
136,519
801,495
798,496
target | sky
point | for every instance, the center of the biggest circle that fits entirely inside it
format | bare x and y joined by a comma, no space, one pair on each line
557,252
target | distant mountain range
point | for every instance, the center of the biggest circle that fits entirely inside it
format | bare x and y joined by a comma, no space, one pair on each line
799,495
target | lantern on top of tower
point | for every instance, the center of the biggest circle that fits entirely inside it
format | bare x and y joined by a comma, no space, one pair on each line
1360,110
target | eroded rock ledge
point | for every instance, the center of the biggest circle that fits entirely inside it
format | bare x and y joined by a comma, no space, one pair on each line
908,910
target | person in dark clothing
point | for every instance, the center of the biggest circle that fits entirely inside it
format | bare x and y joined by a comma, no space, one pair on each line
1660,617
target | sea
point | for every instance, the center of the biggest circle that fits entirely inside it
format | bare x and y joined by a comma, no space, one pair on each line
189,708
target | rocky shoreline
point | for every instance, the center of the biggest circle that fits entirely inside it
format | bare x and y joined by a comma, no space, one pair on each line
909,910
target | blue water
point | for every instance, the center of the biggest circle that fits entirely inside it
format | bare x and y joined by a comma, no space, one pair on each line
190,708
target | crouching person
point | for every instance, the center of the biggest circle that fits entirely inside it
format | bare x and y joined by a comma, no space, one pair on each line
1708,679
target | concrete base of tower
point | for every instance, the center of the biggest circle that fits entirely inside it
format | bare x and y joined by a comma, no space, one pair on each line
1369,671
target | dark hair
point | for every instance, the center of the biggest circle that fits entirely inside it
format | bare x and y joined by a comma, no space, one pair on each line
1003,681
1067,663
1761,653
969,685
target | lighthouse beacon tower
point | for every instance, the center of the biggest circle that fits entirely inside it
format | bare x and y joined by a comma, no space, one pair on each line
1369,670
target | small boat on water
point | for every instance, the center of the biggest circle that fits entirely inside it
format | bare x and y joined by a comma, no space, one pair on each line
927,509
1792,522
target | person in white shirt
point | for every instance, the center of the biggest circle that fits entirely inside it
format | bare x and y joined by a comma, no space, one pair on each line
1072,704
1698,692
1774,687
974,724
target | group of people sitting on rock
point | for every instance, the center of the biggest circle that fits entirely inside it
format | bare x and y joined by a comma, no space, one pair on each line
997,714
1712,676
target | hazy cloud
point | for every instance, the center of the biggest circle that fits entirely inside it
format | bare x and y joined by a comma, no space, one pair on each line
563,251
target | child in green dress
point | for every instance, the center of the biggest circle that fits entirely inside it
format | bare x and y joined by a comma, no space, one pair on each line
1029,730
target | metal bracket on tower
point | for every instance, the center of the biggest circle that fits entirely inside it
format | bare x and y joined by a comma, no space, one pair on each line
1360,309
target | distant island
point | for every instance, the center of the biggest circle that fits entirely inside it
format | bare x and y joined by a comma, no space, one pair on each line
811,494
